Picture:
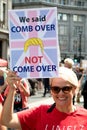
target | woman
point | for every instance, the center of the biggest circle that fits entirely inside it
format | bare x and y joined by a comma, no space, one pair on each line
62,115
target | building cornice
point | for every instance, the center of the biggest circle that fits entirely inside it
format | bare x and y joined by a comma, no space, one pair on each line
61,8
4,31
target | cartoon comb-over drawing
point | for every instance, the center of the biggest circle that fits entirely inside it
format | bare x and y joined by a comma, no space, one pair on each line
33,42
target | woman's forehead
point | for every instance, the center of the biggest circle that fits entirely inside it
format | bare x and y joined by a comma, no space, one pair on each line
57,81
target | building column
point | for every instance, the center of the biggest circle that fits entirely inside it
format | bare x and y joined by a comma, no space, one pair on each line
4,49
70,44
85,35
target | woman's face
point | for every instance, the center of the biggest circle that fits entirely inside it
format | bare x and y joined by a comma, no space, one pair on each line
62,98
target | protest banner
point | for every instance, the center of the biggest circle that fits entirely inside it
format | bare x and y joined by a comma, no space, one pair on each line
33,37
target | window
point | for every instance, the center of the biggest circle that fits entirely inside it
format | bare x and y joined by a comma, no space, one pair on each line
3,12
79,2
63,44
63,2
49,0
63,30
77,29
62,17
78,18
75,45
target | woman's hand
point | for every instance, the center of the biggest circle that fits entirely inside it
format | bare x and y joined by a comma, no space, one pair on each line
12,79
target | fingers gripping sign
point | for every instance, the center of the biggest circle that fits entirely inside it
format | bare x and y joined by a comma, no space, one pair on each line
12,79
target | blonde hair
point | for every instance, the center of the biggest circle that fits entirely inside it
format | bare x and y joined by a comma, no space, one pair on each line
69,62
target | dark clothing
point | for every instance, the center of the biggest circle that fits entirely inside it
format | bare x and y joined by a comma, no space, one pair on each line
40,80
17,101
46,86
1,80
84,93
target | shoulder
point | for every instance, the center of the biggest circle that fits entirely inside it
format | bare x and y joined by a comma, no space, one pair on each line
37,109
41,108
81,111
33,112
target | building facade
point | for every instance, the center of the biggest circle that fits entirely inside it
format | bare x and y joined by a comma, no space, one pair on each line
72,23
4,42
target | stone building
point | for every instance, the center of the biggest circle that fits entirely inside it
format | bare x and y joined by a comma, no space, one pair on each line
4,34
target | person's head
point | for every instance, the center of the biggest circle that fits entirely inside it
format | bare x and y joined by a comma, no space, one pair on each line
63,87
81,69
68,62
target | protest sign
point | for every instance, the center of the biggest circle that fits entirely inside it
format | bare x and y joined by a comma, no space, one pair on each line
33,36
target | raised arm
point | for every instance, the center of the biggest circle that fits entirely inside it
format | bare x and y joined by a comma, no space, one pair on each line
8,118
1,107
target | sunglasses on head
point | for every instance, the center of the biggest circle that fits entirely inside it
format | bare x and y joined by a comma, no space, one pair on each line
65,89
